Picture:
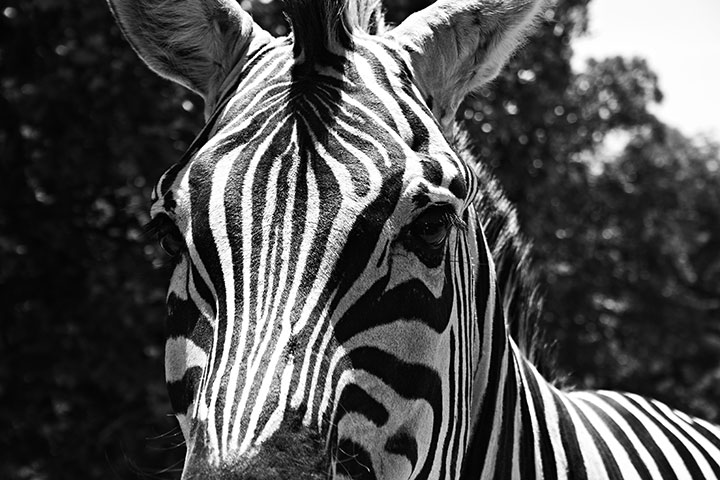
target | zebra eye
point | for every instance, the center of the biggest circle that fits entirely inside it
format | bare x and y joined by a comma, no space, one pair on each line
167,234
432,227
171,244
426,236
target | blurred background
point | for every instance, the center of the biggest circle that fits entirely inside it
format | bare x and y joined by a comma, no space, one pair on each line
621,201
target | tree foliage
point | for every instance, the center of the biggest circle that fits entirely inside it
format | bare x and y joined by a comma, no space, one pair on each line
627,241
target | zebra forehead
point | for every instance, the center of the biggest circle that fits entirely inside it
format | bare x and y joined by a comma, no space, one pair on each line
364,110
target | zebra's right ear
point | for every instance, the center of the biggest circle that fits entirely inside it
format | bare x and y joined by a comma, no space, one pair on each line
192,42
456,46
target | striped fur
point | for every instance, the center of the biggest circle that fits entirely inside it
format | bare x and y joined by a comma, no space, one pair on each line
338,304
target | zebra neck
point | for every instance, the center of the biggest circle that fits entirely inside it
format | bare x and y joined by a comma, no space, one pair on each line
509,417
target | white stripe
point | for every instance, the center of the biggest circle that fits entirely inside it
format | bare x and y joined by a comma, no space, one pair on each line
594,465
480,377
618,451
532,412
552,423
265,386
310,355
694,452
328,379
497,424
182,354
672,456
517,428
714,430
685,423
218,227
278,414
367,73
640,448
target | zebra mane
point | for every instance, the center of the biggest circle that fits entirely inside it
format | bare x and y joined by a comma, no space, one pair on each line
517,280
322,26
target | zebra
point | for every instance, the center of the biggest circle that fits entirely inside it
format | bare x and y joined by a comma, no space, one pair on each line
350,295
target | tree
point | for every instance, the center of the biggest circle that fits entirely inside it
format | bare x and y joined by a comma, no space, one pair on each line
634,278
82,307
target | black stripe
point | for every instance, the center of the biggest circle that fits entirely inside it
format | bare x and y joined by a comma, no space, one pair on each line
375,308
573,450
354,399
181,318
547,454
452,407
608,459
477,450
644,436
712,438
713,463
503,464
688,459
201,287
623,439
182,392
527,436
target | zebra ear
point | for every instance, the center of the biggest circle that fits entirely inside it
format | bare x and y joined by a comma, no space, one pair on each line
192,42
456,46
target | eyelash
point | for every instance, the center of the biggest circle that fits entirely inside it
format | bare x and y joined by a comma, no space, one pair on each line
426,236
446,212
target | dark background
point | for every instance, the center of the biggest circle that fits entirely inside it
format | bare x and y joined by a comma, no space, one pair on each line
627,244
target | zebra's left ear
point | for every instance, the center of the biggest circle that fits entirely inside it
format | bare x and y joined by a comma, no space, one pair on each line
456,46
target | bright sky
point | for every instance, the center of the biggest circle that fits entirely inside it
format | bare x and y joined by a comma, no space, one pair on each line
680,40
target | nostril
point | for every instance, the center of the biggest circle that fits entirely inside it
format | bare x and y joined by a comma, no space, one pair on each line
402,443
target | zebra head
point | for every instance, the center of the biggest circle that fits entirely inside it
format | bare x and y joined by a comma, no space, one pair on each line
331,285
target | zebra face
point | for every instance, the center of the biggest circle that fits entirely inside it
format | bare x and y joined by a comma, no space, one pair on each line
321,240
331,282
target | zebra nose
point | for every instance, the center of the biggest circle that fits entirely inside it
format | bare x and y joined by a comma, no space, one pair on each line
293,452
264,465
